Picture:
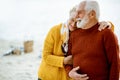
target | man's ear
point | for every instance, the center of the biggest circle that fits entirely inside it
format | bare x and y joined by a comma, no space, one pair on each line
92,14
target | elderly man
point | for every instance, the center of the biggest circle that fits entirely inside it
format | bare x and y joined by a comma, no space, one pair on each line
94,51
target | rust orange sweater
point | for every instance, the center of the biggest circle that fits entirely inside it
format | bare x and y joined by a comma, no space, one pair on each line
96,52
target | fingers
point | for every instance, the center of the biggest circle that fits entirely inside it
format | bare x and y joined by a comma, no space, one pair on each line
109,25
76,68
103,25
70,56
76,76
68,60
82,77
86,78
73,74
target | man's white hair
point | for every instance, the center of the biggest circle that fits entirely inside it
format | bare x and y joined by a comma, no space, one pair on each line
92,5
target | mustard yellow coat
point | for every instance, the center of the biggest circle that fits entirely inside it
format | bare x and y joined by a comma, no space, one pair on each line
51,67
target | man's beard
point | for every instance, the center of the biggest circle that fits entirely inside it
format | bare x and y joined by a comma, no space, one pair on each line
81,23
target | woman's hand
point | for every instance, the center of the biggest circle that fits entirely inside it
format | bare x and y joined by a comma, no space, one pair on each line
68,60
103,25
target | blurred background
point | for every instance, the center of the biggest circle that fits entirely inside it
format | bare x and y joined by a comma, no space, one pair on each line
24,25
31,19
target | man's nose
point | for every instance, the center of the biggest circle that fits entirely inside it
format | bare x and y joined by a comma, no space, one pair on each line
76,16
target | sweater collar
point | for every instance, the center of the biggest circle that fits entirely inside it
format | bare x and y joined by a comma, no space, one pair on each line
94,27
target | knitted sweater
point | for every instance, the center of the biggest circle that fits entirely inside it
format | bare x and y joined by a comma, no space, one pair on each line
96,52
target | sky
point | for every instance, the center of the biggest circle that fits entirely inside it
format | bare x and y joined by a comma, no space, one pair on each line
32,19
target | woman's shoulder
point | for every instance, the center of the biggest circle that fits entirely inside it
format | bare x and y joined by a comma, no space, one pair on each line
55,30
56,27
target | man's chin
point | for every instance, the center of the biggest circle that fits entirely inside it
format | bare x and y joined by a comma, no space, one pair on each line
79,26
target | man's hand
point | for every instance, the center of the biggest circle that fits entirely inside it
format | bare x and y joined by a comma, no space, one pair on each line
68,60
74,75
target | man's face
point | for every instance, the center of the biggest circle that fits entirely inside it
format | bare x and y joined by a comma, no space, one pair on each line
82,16
81,23
80,11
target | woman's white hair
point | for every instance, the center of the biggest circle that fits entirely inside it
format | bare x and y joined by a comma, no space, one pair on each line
72,12
92,5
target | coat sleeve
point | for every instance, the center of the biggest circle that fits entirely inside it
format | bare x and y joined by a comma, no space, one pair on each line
112,53
48,49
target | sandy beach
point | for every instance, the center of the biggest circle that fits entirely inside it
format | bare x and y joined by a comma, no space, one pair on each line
18,67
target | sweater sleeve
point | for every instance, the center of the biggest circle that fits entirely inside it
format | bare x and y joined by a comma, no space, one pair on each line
112,53
48,49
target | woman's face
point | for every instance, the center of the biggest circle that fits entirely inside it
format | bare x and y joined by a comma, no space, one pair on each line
72,20
72,24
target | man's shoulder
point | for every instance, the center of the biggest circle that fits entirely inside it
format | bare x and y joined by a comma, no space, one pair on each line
107,31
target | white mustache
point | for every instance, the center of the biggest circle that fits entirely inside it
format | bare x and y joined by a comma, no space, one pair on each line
78,19
78,23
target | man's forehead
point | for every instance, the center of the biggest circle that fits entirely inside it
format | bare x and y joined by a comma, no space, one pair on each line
81,6
80,9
